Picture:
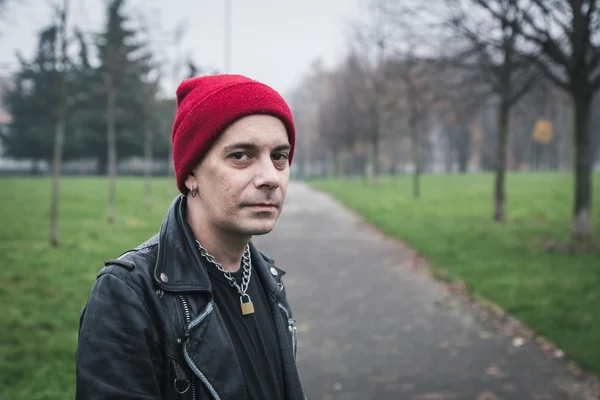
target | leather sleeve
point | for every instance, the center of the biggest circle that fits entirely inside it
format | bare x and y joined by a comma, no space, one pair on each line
118,346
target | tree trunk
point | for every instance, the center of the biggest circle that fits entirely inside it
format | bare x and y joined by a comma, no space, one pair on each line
375,138
148,157
416,157
112,152
338,170
464,148
448,161
364,165
537,151
102,166
35,168
375,152
583,169
301,169
555,154
595,139
396,154
417,171
59,134
449,153
499,193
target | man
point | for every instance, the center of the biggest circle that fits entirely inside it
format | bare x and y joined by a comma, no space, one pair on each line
197,312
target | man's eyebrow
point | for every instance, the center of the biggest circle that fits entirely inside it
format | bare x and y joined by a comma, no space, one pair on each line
283,147
239,146
252,146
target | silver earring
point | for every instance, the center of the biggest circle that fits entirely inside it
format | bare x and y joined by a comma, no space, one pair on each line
194,191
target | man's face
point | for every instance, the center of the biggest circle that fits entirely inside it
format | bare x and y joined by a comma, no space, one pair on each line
242,180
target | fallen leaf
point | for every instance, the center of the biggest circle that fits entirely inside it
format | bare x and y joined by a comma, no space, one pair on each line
559,354
493,370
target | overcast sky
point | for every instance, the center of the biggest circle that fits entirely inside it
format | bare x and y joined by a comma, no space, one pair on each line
274,41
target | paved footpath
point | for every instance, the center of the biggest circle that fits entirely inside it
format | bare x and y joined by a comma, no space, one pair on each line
370,328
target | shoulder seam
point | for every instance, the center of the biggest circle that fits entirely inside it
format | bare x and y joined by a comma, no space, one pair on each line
139,295
121,263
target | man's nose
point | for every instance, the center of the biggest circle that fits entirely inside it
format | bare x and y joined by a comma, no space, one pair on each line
267,174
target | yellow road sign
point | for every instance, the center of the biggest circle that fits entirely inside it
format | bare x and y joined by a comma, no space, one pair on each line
542,132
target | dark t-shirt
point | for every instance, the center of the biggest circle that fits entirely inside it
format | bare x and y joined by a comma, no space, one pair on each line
253,335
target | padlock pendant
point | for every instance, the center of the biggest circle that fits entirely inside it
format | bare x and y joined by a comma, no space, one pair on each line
248,307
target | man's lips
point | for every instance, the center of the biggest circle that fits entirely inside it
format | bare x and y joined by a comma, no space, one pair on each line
262,205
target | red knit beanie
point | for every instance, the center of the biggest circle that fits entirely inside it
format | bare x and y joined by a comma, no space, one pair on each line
207,105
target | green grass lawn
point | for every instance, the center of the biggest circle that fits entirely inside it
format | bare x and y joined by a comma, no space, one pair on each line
557,294
43,289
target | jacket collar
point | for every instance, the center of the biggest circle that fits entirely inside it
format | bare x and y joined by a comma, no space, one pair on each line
179,266
267,272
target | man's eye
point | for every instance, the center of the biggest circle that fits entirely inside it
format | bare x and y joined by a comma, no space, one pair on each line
239,156
279,156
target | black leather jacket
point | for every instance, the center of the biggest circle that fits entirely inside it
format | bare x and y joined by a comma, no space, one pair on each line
150,329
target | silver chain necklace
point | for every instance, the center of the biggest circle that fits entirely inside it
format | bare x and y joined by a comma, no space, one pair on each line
247,307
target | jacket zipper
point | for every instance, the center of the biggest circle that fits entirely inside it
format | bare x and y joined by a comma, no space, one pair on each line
292,327
291,322
295,328
186,310
188,359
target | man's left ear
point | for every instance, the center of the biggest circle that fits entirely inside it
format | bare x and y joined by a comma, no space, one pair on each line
192,184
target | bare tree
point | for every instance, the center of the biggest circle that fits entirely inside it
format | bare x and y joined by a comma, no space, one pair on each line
413,67
491,40
417,98
192,68
372,40
117,66
150,65
114,60
340,121
595,129
111,100
149,107
461,98
176,69
543,103
416,111
566,33
330,121
59,133
307,101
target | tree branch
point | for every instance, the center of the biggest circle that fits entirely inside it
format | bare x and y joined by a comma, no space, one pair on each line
550,74
529,83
